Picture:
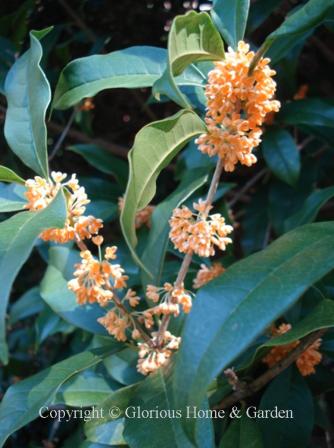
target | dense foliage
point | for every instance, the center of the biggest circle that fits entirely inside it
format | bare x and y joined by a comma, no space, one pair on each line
178,294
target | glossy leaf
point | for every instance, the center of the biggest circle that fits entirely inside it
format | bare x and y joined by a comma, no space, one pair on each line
311,111
155,146
311,207
28,95
282,155
288,391
243,302
230,16
133,67
154,254
103,160
8,175
56,294
192,38
23,401
304,19
17,238
242,433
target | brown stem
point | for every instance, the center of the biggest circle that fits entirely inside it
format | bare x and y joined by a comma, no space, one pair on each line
188,257
251,388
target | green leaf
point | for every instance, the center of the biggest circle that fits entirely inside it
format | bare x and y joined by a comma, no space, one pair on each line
56,294
192,38
130,68
155,394
88,388
230,17
28,304
303,20
11,198
242,433
311,207
23,401
28,96
109,427
288,391
7,175
281,155
154,148
122,367
104,161
49,323
156,246
259,12
311,111
17,238
240,305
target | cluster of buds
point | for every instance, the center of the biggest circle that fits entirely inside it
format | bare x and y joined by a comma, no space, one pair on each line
198,232
207,273
154,356
40,192
143,217
305,363
238,102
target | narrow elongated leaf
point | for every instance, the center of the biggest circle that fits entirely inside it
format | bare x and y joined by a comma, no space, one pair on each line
17,238
56,294
103,161
154,147
192,37
28,96
154,254
282,155
304,19
24,400
233,310
7,175
310,208
230,16
289,392
130,68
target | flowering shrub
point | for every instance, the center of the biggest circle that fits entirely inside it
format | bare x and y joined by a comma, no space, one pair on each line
216,298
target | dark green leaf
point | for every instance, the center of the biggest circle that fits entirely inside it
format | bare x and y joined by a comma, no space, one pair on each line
30,303
28,96
282,155
230,16
104,161
288,392
242,433
243,302
310,208
17,238
7,175
312,111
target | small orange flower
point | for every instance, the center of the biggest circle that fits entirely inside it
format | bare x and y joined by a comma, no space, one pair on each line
87,105
207,273
40,192
306,362
115,324
143,217
198,233
238,103
301,92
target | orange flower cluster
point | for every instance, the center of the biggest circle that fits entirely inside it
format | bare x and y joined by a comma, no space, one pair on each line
306,362
198,233
238,102
143,217
152,358
40,192
207,273
116,324
95,280
170,298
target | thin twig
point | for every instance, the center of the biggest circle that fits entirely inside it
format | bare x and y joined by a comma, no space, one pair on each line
247,186
63,135
262,380
187,259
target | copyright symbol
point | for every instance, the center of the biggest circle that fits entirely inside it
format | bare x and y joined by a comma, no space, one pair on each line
114,412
